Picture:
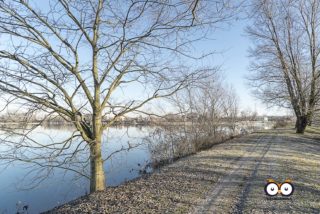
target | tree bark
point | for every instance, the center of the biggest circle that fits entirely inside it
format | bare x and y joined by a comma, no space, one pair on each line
301,124
97,181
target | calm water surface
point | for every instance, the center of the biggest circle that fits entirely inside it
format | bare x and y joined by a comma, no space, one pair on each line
60,188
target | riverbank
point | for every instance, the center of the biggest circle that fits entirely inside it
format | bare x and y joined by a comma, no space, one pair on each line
224,179
172,188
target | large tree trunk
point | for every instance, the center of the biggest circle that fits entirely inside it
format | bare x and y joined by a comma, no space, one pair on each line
97,181
301,124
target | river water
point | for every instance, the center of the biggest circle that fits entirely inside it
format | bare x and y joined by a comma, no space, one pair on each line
59,187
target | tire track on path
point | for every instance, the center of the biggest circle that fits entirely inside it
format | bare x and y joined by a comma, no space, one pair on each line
225,192
248,184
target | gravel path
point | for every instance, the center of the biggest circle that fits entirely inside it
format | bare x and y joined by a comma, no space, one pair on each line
229,178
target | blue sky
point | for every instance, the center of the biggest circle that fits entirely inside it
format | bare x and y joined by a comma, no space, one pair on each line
232,46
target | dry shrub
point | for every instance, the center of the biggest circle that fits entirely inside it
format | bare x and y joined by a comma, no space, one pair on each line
280,124
207,142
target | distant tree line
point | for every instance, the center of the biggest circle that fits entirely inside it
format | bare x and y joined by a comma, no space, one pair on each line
139,120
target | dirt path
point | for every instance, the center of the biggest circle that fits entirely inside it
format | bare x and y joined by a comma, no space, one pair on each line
229,178
269,155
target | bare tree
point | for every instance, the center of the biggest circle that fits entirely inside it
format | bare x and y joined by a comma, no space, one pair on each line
285,56
231,108
209,109
75,58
